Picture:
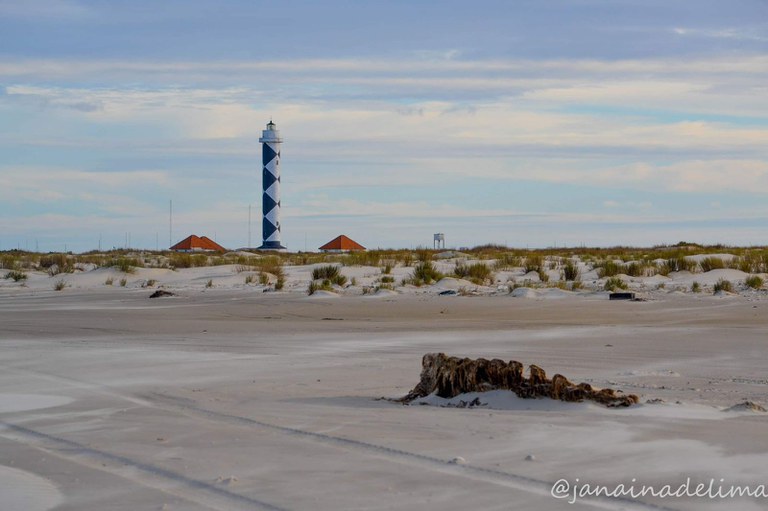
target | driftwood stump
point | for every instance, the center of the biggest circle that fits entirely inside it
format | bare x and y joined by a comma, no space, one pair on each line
450,376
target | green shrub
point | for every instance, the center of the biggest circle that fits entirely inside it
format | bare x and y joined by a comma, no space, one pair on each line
423,255
636,269
123,282
209,283
387,279
314,286
570,271
272,265
507,262
16,275
534,262
425,272
479,273
754,282
614,283
127,264
109,281
249,279
609,269
680,263
49,260
362,258
695,287
329,272
59,285
723,285
711,263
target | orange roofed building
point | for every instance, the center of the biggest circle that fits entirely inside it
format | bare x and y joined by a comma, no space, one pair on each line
197,244
341,244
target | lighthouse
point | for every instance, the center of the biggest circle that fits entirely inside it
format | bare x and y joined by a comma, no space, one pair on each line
270,185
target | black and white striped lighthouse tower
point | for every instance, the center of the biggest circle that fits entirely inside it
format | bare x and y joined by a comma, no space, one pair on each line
270,183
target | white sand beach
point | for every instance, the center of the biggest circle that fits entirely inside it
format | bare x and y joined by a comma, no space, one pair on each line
228,397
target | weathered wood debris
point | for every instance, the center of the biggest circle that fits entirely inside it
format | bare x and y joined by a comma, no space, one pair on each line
450,376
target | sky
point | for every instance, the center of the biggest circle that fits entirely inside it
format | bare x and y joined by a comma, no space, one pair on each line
529,123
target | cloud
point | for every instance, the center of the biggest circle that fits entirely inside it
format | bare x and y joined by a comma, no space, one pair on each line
50,184
759,34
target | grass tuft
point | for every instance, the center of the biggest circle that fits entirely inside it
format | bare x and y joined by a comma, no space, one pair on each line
424,273
723,285
478,273
570,271
754,282
16,275
614,283
711,263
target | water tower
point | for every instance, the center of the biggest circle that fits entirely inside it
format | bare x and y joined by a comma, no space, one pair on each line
270,185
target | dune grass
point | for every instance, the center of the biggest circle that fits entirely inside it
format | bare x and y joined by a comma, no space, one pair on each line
723,285
478,273
614,283
16,275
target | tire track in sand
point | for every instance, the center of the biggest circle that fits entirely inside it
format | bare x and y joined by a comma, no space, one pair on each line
146,474
190,408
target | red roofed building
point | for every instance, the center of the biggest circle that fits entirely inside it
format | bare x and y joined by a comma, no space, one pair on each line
197,244
341,244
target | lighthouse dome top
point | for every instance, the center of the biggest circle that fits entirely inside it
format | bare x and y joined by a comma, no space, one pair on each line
271,134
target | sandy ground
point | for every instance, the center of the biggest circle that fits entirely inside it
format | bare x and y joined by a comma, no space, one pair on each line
236,399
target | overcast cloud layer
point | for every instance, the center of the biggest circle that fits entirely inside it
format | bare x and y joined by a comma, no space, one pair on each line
525,123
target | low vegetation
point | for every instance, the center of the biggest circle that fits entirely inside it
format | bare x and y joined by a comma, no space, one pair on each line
609,269
723,285
711,263
16,275
330,273
319,285
478,273
424,273
576,266
614,283
754,282
570,271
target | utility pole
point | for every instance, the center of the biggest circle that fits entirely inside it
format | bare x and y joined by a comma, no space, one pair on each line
170,225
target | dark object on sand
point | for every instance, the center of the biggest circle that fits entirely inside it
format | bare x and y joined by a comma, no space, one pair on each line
450,376
448,292
621,296
746,406
160,293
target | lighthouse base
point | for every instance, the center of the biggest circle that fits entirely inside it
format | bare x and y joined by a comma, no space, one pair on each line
272,245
